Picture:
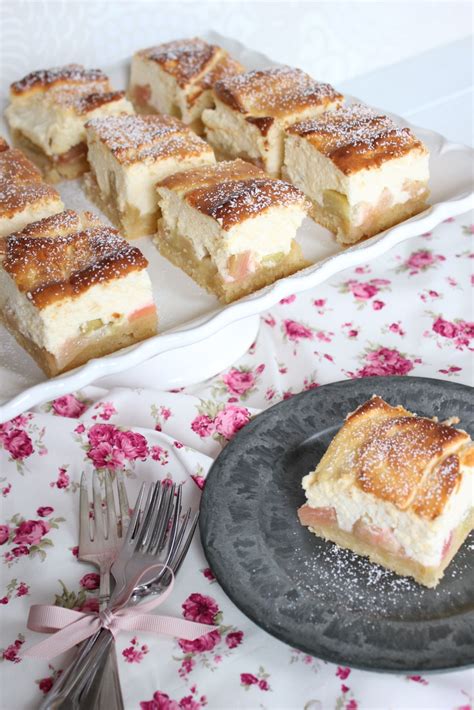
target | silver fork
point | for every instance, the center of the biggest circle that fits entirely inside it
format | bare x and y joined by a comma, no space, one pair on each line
149,534
99,541
102,549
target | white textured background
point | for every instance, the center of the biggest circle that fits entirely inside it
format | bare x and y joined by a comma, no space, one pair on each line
332,40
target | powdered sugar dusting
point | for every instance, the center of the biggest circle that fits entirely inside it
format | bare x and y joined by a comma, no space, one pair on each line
70,73
136,138
396,452
356,130
368,587
50,268
231,202
274,91
184,59
21,183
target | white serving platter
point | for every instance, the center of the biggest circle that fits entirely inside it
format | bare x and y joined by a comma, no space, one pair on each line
189,316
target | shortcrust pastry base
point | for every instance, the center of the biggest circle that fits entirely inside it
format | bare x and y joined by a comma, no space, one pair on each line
93,345
180,252
378,221
53,170
404,566
131,223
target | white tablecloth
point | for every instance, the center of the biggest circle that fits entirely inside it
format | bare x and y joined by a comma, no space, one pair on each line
407,313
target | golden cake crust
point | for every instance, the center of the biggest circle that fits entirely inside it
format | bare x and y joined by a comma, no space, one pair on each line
52,268
356,137
232,191
211,175
233,201
15,167
225,68
132,138
410,461
68,75
21,184
185,59
274,93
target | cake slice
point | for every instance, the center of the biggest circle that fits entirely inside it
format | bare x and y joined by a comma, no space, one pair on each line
177,77
252,110
48,110
362,172
128,155
230,227
395,487
72,289
24,196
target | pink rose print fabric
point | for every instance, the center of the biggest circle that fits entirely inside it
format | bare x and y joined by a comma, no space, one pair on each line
407,313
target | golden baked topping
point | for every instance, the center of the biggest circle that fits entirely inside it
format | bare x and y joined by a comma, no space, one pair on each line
91,102
397,454
21,183
274,92
185,59
233,201
225,67
232,191
411,461
67,263
15,167
137,138
357,137
211,175
66,75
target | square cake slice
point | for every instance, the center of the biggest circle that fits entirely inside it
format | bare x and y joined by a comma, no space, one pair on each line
128,155
176,78
252,110
230,227
48,110
24,196
395,487
362,172
72,289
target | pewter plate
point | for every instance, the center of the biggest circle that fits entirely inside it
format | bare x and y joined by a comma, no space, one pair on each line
305,591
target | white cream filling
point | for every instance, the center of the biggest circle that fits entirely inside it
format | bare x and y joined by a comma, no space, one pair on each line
52,127
229,131
314,173
422,539
163,87
267,234
134,184
53,326
32,213
166,96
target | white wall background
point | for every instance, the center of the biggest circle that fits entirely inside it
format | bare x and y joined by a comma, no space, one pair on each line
332,40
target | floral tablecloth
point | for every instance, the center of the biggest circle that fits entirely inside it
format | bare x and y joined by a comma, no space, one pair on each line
408,312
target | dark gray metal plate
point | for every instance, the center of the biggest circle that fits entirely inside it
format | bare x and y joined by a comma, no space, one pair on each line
305,591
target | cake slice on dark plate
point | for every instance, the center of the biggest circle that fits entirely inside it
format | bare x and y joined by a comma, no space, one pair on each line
394,487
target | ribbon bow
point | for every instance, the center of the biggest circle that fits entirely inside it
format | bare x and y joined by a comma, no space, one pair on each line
70,627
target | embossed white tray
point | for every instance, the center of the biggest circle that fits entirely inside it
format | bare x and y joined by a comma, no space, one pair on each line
187,314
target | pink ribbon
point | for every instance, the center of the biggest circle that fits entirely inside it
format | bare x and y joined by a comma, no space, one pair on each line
70,627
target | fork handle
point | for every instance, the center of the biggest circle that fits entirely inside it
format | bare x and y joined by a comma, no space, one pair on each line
104,586
85,675
94,663
104,690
